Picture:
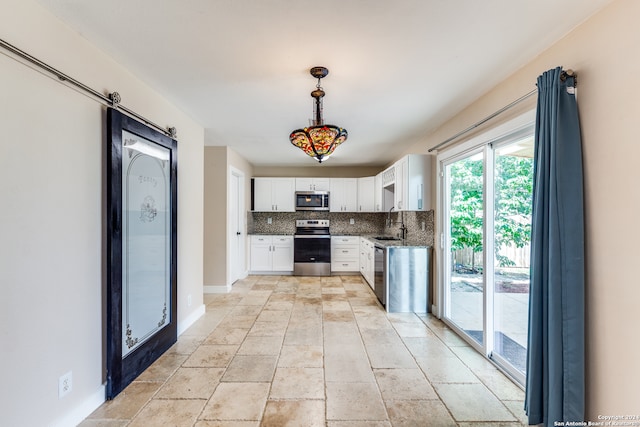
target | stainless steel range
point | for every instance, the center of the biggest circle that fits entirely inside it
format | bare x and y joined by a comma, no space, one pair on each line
312,248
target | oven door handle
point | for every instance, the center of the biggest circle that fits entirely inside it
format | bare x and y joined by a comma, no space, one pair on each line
311,236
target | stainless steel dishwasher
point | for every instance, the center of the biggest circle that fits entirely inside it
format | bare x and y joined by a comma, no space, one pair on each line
379,285
402,278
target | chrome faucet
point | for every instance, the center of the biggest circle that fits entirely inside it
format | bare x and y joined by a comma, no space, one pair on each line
389,217
403,230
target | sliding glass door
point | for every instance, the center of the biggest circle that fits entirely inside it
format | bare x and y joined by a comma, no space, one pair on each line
486,193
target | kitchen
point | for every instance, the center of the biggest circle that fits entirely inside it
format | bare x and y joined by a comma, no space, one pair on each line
340,224
72,134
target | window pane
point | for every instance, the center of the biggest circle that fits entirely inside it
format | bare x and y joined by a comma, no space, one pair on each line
466,230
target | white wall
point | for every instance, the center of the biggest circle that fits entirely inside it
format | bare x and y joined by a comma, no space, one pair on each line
52,147
215,218
217,164
603,52
242,165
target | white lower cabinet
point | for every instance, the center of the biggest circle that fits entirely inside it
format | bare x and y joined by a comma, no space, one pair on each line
345,254
367,262
271,253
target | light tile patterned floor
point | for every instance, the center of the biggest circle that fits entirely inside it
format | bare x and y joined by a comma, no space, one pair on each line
310,351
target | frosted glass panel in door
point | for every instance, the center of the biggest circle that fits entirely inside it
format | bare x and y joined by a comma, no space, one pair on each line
146,246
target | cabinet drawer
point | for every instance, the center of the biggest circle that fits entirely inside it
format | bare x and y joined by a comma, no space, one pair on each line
282,239
345,240
345,252
351,265
260,239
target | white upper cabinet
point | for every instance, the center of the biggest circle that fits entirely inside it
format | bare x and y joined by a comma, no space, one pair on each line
378,205
408,183
343,195
366,195
274,194
405,186
262,195
400,196
312,184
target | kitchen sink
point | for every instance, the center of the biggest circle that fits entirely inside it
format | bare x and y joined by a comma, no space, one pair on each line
386,238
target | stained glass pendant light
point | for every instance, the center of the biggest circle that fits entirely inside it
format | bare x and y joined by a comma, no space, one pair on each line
318,141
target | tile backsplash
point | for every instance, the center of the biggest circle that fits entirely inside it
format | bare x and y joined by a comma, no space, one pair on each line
420,226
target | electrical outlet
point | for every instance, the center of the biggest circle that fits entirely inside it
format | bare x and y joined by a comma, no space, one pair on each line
189,300
65,384
269,220
352,221
422,226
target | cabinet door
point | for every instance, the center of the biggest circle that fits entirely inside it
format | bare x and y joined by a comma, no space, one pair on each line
366,201
262,195
418,177
283,194
370,268
312,184
321,184
282,253
304,184
401,184
377,193
350,194
261,254
336,195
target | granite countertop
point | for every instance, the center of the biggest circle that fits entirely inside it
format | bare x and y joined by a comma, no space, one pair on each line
371,237
395,243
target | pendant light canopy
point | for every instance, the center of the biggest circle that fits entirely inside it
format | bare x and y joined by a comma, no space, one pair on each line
318,141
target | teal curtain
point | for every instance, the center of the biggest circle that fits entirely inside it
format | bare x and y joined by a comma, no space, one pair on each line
555,389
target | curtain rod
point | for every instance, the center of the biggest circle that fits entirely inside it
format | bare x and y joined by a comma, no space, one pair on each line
113,99
563,77
483,121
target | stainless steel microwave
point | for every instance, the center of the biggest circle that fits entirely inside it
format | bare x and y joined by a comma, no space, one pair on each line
312,200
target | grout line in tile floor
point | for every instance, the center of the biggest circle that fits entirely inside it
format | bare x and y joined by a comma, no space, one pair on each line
246,363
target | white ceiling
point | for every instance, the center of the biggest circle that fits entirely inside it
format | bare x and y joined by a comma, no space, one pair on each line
397,68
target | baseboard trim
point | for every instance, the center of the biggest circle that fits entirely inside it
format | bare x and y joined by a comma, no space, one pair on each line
217,289
78,414
191,319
